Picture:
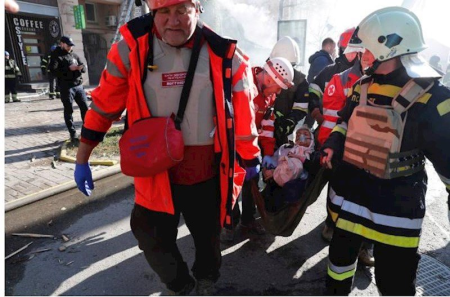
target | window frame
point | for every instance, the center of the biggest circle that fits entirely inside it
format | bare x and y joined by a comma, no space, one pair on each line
94,7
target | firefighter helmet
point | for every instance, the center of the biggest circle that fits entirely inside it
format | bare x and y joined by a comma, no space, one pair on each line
287,48
6,53
389,32
157,4
281,71
345,37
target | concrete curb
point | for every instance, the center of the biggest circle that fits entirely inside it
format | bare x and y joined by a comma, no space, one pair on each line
64,157
59,189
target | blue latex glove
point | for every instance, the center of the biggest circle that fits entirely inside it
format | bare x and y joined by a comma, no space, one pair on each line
268,162
83,178
251,172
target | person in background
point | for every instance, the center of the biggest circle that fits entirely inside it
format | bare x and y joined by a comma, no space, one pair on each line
291,105
435,63
318,84
316,90
276,75
446,78
12,72
219,134
334,100
386,184
67,67
52,80
320,59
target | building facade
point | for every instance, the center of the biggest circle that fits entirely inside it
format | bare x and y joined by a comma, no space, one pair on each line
30,33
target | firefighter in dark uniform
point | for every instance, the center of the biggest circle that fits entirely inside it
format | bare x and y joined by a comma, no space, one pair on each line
291,104
68,68
11,73
52,81
382,163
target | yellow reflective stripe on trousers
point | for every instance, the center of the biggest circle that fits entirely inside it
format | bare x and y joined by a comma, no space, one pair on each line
400,241
341,273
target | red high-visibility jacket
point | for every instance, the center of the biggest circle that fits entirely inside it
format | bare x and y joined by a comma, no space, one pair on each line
264,118
120,88
334,98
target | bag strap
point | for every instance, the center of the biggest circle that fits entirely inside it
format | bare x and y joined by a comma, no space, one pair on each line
189,77
413,90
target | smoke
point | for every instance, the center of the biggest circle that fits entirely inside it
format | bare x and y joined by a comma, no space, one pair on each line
255,27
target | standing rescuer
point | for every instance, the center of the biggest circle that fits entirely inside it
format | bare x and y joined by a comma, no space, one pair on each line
393,118
52,80
12,72
68,68
145,74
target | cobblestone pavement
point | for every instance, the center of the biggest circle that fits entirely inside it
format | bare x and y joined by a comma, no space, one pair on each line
34,133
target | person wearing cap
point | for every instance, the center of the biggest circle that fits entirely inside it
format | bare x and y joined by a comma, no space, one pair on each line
276,75
68,68
382,161
145,74
12,72
52,81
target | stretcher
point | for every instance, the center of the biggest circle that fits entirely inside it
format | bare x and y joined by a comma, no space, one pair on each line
282,208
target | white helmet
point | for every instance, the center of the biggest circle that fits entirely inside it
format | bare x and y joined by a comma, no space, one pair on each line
281,71
287,48
389,32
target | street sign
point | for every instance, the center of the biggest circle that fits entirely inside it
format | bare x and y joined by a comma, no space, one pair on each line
80,20
297,30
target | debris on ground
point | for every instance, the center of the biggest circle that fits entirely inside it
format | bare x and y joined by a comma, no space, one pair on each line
18,251
33,235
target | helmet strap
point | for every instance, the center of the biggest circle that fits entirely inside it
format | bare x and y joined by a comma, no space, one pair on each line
371,70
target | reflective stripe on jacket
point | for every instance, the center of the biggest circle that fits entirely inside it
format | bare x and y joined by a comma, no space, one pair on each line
392,211
120,88
264,118
11,69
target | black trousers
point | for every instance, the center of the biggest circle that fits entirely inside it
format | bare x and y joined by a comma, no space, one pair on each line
156,233
53,84
248,205
395,267
10,86
68,95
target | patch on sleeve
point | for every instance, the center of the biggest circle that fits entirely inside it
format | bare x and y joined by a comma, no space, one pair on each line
444,107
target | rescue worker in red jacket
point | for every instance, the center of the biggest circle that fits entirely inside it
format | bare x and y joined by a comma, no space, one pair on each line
317,86
276,75
334,100
393,119
316,90
219,133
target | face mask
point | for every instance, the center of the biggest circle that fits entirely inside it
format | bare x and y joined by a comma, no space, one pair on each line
303,138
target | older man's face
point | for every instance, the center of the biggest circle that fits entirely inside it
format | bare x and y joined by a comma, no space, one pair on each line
176,23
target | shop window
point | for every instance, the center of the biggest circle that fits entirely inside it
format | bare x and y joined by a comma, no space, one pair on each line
35,74
91,12
34,61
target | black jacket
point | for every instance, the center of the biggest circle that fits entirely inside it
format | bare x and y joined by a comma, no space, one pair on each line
319,60
317,86
59,66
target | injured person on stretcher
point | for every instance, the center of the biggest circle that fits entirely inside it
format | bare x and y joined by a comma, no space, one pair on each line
284,172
